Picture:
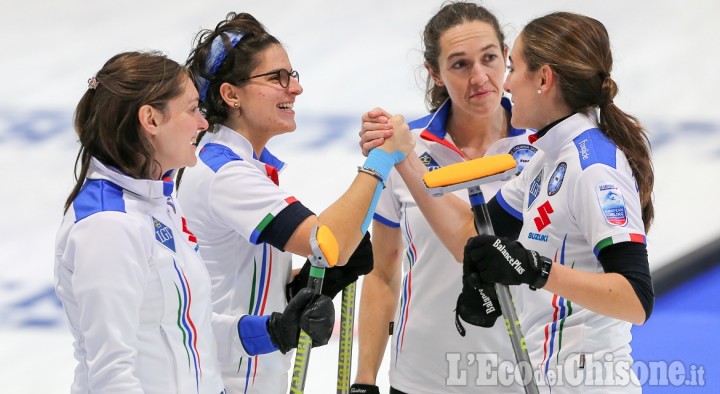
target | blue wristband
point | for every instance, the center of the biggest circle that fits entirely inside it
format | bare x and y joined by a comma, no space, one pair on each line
254,335
383,162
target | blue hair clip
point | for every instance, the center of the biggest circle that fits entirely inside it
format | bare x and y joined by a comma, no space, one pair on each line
215,58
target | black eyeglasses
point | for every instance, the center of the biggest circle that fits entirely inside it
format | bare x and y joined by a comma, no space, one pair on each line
282,75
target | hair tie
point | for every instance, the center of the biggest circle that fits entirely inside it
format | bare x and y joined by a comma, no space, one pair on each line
215,58
93,83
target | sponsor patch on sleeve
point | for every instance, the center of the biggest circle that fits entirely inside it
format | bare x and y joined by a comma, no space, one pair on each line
612,204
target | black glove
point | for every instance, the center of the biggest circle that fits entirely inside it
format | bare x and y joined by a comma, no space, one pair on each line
498,260
477,304
337,278
318,319
313,313
364,389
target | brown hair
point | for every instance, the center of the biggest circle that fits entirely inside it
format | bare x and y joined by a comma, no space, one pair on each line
577,49
241,59
106,118
450,15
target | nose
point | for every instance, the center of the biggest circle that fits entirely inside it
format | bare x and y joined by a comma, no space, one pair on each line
478,75
202,122
506,84
294,87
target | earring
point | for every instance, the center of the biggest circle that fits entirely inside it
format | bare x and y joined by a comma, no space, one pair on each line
539,91
236,105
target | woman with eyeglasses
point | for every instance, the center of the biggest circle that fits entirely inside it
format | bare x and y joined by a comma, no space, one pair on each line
246,224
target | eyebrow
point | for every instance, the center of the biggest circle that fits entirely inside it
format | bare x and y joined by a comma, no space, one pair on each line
485,48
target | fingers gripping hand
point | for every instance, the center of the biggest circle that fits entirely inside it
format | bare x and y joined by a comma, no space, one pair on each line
375,129
402,140
498,260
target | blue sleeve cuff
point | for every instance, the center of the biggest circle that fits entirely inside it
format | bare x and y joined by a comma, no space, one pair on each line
254,335
385,221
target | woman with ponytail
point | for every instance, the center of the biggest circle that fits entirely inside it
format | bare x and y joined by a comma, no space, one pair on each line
570,229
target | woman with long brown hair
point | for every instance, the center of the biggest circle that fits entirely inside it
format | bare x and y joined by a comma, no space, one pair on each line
136,294
571,228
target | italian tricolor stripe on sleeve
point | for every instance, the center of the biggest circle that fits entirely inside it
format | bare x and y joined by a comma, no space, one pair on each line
269,218
615,239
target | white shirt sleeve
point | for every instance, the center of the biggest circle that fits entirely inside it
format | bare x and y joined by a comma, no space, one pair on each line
109,257
229,346
242,197
607,207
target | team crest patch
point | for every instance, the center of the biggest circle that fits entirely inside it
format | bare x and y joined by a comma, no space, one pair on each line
556,179
164,235
429,162
535,188
522,154
612,204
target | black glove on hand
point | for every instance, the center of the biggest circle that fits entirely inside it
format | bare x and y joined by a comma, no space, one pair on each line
307,311
318,319
498,260
337,278
477,304
364,389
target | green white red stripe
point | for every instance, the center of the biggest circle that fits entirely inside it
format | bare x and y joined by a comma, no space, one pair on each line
616,239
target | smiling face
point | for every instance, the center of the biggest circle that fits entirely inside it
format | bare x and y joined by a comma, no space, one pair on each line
266,108
471,66
177,128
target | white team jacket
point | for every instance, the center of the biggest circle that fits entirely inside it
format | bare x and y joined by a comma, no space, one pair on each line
576,196
228,199
136,294
428,354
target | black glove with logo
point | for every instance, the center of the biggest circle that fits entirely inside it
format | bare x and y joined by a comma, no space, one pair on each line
338,277
364,389
498,260
315,314
477,304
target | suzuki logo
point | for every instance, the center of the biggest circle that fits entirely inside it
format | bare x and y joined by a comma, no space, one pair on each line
544,211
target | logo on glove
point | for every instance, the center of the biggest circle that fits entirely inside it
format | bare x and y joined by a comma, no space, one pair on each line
514,263
487,302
